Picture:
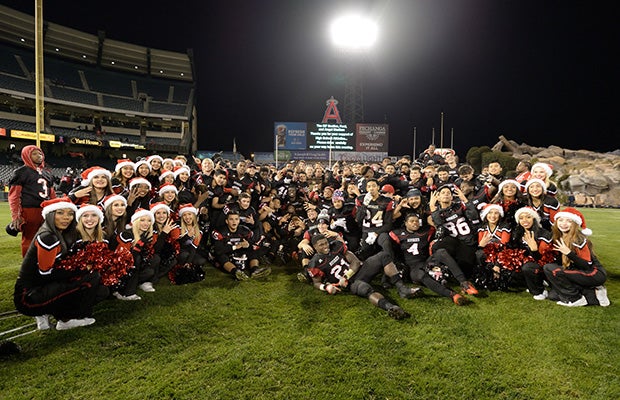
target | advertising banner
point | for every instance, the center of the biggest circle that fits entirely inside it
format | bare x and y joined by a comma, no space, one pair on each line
371,137
310,155
44,137
358,156
290,135
334,136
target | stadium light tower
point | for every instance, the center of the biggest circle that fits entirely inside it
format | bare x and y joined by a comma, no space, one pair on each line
354,35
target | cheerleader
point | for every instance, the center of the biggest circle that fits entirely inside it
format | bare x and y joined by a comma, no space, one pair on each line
140,195
575,274
43,288
510,198
493,236
166,177
546,206
95,186
168,195
166,234
167,164
143,169
190,236
535,245
139,240
124,171
155,161
543,172
115,218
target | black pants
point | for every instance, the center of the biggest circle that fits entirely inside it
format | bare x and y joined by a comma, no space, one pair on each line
464,255
67,299
570,283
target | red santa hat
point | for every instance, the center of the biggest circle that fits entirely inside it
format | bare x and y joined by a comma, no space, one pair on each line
167,187
170,160
536,180
138,181
487,208
183,208
89,208
179,169
141,212
527,210
90,173
547,167
142,162
108,200
164,174
155,157
160,205
576,216
58,203
125,162
507,182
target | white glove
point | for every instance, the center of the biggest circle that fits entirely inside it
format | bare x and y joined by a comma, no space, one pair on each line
371,238
367,199
341,222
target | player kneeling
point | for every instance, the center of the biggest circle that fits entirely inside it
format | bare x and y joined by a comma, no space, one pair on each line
232,250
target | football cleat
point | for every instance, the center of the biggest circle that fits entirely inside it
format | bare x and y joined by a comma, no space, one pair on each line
459,300
261,272
398,313
241,276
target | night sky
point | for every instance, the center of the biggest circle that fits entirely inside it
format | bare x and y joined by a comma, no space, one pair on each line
539,72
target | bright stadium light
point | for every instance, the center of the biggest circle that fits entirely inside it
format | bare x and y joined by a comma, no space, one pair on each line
354,32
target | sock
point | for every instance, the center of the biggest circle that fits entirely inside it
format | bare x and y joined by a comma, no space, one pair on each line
384,304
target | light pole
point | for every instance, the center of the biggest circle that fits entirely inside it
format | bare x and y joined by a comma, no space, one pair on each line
354,35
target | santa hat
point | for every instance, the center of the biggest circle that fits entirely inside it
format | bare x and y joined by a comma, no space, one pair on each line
141,162
187,208
138,181
338,195
141,212
487,208
125,162
179,169
527,210
90,173
159,206
155,157
576,216
164,174
548,169
536,180
507,182
58,203
167,187
89,208
178,162
108,200
170,160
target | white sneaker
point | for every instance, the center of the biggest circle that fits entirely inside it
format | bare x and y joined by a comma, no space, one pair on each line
131,297
43,322
74,323
601,296
577,303
541,296
147,287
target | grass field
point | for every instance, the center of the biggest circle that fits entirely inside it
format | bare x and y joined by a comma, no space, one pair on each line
280,339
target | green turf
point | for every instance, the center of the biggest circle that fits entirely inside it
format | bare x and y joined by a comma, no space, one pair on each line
280,339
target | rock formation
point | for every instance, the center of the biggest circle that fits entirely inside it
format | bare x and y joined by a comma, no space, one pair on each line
594,178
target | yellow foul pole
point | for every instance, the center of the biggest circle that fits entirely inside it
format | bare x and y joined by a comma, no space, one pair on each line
38,71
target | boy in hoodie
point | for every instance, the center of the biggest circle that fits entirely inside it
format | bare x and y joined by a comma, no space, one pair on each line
30,185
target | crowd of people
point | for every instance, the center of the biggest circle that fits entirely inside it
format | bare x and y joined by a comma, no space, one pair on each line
430,221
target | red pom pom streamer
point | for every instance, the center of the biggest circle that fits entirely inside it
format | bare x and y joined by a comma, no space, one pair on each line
97,256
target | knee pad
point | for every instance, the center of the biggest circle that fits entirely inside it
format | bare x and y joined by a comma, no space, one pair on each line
361,288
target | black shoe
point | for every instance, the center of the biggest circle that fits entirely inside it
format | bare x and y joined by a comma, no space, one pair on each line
385,282
398,313
409,293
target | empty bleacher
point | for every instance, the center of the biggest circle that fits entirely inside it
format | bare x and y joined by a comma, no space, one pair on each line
74,95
